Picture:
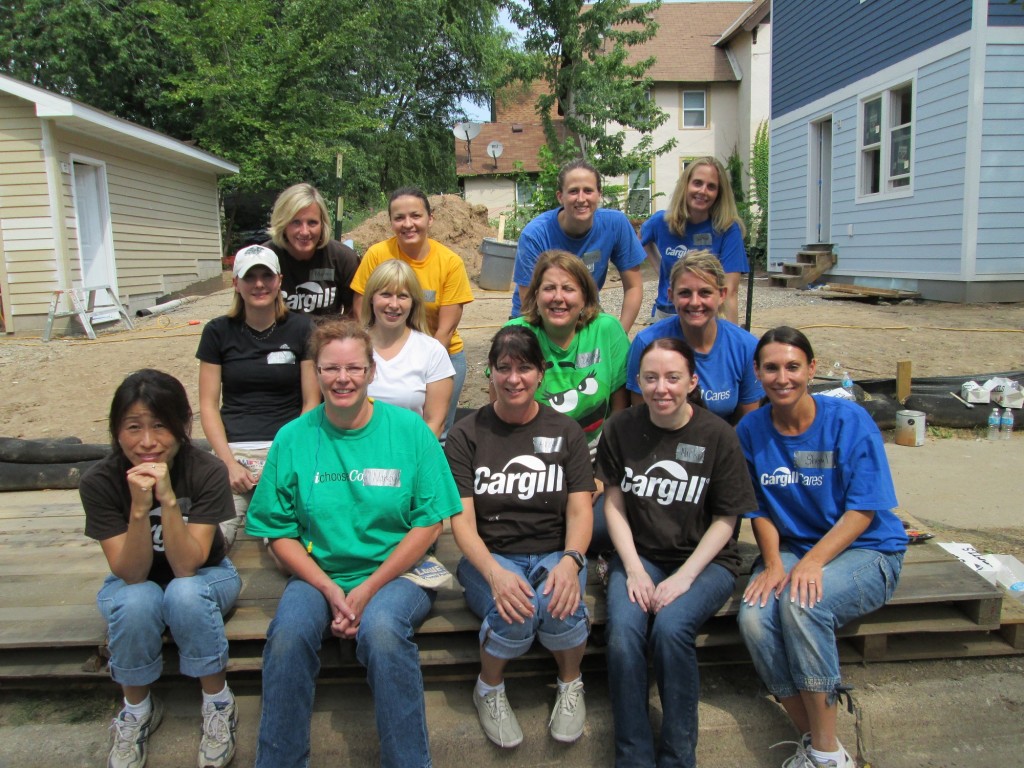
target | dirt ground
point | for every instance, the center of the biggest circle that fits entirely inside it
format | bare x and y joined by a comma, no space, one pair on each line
63,387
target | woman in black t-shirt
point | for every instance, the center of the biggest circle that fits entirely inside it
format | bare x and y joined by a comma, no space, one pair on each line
675,482
254,375
154,505
524,475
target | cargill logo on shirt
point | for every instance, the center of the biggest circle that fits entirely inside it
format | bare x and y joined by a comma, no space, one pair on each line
534,477
711,396
666,482
784,476
309,297
676,251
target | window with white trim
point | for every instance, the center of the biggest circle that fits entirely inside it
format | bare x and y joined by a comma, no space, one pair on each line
886,135
695,109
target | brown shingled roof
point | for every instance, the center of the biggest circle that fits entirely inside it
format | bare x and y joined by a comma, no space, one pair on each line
685,43
521,142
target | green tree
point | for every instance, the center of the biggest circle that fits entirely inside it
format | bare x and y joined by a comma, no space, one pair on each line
758,234
277,87
582,54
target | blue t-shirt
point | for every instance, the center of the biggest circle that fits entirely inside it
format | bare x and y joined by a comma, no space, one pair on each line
806,482
727,246
725,375
611,238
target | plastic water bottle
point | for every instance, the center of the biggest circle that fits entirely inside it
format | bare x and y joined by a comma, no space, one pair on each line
847,382
1006,424
994,424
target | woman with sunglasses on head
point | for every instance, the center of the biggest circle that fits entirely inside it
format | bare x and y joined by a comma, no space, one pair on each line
353,496
723,351
675,482
597,236
701,215
316,271
831,547
439,271
155,505
254,376
525,479
413,369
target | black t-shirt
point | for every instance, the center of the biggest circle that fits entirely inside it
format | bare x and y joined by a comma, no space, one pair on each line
519,477
322,285
261,383
674,482
200,482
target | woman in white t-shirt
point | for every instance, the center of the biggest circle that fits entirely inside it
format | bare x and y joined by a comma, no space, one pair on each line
413,368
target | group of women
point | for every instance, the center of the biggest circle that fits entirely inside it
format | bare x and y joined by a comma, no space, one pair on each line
346,480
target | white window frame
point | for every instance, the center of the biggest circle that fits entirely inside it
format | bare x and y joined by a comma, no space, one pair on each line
683,109
878,130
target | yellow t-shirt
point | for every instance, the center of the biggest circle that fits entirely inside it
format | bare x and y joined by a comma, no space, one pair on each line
441,275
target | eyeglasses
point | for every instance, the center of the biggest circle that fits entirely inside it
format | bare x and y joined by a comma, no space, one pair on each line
334,371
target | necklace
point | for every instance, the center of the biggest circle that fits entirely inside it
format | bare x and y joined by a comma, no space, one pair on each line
259,335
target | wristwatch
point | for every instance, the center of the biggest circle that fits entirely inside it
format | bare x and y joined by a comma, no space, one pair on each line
577,558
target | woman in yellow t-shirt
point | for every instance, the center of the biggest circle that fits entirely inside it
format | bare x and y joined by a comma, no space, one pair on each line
439,270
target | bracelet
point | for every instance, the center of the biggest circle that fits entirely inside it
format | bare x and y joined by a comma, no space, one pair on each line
577,557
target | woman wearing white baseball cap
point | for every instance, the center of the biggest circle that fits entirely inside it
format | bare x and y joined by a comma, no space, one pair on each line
253,374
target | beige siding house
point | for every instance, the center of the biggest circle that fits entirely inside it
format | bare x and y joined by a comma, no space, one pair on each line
711,76
90,199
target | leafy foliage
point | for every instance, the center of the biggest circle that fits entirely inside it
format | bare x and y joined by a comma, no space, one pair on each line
582,55
758,232
277,86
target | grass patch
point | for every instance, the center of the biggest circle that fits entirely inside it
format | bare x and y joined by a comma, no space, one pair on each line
70,708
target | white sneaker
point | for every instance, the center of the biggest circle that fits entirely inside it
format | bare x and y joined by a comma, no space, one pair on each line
845,762
570,713
131,736
217,746
497,719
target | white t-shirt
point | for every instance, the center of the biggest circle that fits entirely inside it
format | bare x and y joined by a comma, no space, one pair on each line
403,379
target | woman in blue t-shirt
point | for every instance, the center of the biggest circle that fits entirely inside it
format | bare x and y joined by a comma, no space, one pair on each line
831,547
702,214
724,352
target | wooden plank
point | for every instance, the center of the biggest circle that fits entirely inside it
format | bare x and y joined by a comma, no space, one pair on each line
1011,621
903,378
863,290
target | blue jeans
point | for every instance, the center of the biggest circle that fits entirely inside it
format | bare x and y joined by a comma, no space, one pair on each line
794,648
669,637
505,640
459,364
384,645
192,608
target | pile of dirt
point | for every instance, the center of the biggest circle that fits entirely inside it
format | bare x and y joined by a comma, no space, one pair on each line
457,224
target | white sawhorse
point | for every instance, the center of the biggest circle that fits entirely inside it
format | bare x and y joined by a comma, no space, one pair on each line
83,303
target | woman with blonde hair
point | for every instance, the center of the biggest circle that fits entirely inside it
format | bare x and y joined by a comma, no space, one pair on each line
724,352
439,270
254,375
413,368
702,215
316,271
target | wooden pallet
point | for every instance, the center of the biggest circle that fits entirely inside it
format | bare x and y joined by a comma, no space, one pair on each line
50,628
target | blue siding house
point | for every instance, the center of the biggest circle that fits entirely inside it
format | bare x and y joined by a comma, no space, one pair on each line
897,135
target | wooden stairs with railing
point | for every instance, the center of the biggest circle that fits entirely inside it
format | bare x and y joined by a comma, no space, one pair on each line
811,263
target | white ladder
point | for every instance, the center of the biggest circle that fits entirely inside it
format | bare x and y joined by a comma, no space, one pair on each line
83,303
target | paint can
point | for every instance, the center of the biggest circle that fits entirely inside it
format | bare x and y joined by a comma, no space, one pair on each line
910,428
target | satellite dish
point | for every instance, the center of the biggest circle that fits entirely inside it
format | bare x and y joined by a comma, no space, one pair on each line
467,132
494,149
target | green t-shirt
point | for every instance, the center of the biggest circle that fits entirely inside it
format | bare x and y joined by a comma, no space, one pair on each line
352,494
582,378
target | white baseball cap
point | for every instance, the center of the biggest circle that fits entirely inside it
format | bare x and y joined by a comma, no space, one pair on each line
251,255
